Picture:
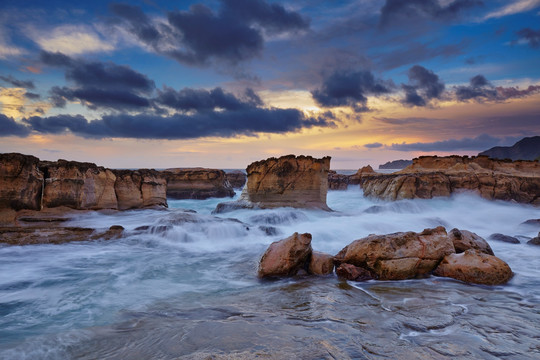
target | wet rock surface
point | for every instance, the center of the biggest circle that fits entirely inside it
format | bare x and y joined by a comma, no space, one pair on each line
504,238
236,178
321,263
464,240
286,257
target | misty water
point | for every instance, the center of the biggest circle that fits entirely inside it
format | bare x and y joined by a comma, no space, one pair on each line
184,286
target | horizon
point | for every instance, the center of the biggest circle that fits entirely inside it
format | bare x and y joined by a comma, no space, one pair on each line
221,84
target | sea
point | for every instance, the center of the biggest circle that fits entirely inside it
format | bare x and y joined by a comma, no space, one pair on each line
182,284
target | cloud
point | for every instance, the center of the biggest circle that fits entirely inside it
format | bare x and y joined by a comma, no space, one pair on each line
8,50
424,85
200,36
515,7
481,142
349,88
480,89
374,145
9,127
414,52
99,84
18,83
70,40
529,36
399,12
15,103
179,126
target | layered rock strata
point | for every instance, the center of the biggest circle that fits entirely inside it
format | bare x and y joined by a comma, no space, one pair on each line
21,182
432,176
197,183
140,189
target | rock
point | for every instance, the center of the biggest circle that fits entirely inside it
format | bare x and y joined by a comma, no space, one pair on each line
236,178
288,181
432,176
504,238
534,240
140,188
269,230
532,222
44,235
286,257
398,256
78,185
321,263
337,181
396,164
356,179
353,273
475,267
21,182
197,183
464,240
114,232
233,205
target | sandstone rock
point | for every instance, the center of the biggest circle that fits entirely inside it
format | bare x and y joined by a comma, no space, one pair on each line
399,255
534,240
464,240
355,179
197,183
337,181
140,188
431,176
294,181
78,185
475,267
504,238
21,182
321,263
353,273
236,178
286,257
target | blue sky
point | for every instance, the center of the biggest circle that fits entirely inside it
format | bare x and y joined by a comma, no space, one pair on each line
226,82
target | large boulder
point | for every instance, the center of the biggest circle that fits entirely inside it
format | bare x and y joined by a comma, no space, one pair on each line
475,267
397,256
432,176
78,185
21,182
286,257
197,183
321,263
140,188
464,240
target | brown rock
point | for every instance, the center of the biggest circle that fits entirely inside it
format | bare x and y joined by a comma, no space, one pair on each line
364,171
286,257
140,188
464,240
78,185
399,255
431,176
197,183
475,267
337,181
236,178
353,273
321,263
534,240
21,182
295,181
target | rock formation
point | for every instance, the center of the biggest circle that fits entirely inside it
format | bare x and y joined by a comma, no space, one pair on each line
288,181
140,188
400,255
321,263
236,178
431,176
337,181
21,182
286,257
475,267
464,240
197,183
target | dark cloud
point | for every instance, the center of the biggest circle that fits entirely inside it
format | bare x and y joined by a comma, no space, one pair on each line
481,142
18,83
373,145
480,89
9,127
32,96
415,52
200,36
399,12
99,84
221,124
205,100
349,88
423,86
530,36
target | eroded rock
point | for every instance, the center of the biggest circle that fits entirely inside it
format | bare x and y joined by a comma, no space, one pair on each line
236,178
353,273
197,183
286,257
21,182
464,240
504,238
321,263
140,188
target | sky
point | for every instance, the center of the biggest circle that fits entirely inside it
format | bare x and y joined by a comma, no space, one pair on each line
223,83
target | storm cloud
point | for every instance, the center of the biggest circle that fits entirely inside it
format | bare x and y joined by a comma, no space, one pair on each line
481,142
27,84
424,85
349,88
530,36
480,89
9,127
201,36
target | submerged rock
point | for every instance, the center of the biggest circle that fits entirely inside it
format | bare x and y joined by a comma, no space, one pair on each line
464,240
534,240
400,255
286,257
475,267
504,238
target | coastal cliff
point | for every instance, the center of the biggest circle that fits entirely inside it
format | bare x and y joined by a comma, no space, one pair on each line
432,176
197,183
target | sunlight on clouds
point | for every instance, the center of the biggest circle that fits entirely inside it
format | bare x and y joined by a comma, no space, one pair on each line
70,40
14,104
514,7
299,99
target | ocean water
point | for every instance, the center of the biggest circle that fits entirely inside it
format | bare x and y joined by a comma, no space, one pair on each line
184,287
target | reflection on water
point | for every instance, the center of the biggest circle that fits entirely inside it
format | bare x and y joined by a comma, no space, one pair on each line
188,290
